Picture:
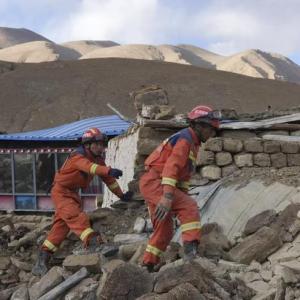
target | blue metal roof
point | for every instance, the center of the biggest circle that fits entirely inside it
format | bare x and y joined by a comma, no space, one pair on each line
110,125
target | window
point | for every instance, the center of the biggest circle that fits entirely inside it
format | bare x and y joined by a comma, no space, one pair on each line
5,174
45,171
24,173
61,158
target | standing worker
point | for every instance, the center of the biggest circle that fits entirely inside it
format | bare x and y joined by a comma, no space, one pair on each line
165,184
76,173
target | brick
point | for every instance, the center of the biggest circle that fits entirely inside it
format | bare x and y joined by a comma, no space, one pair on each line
262,159
232,145
253,145
243,160
278,160
289,147
211,172
271,146
293,160
214,144
223,158
229,170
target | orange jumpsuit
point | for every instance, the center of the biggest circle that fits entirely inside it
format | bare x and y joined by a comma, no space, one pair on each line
77,172
168,169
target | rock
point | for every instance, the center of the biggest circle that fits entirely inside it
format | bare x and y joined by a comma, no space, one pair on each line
271,146
293,160
257,246
295,133
197,180
251,276
149,111
86,289
139,253
123,281
6,294
149,95
229,170
139,225
4,262
205,158
223,158
293,265
52,278
265,218
232,145
127,251
21,265
262,159
289,293
267,295
266,275
286,274
75,262
214,144
213,241
231,266
20,294
280,292
259,286
185,291
24,276
243,160
289,147
130,238
253,145
211,172
146,146
165,112
279,160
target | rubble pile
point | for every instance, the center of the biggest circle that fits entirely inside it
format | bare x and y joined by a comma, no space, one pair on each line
263,262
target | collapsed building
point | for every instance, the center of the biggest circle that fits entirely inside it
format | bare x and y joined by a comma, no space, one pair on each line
248,192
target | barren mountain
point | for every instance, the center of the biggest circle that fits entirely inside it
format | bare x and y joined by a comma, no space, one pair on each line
35,96
39,51
86,46
13,36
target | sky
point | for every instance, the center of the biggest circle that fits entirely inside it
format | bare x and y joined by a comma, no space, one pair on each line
222,26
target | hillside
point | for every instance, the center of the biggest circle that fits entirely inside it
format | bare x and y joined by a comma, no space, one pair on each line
14,36
35,96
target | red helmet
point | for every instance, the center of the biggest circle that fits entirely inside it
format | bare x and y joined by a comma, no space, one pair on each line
93,135
205,114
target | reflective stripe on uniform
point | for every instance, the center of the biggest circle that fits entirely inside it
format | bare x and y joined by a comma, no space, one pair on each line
50,246
85,233
184,184
113,186
93,168
169,181
153,250
190,226
192,157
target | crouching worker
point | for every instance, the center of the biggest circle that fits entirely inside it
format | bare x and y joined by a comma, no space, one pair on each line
165,184
76,173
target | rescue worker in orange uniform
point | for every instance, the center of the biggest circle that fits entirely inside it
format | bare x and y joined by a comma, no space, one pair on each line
76,173
165,184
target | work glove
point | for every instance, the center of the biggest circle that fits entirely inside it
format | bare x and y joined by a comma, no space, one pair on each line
163,207
116,173
126,196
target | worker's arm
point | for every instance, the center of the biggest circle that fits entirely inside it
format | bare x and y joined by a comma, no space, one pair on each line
83,164
174,165
112,185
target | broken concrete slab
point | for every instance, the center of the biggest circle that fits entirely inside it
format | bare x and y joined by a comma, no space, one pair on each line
91,261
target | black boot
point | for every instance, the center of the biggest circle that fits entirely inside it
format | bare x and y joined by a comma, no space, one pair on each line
190,250
149,267
41,266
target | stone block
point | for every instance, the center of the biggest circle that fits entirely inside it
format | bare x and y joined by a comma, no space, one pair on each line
262,159
293,160
289,147
271,146
214,144
278,160
223,158
211,172
237,134
243,160
253,145
75,262
4,262
52,278
139,225
205,158
232,145
295,133
229,170
146,146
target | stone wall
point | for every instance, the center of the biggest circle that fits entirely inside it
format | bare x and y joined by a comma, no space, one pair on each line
220,157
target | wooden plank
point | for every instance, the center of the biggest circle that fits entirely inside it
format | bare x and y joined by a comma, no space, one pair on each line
283,138
267,123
